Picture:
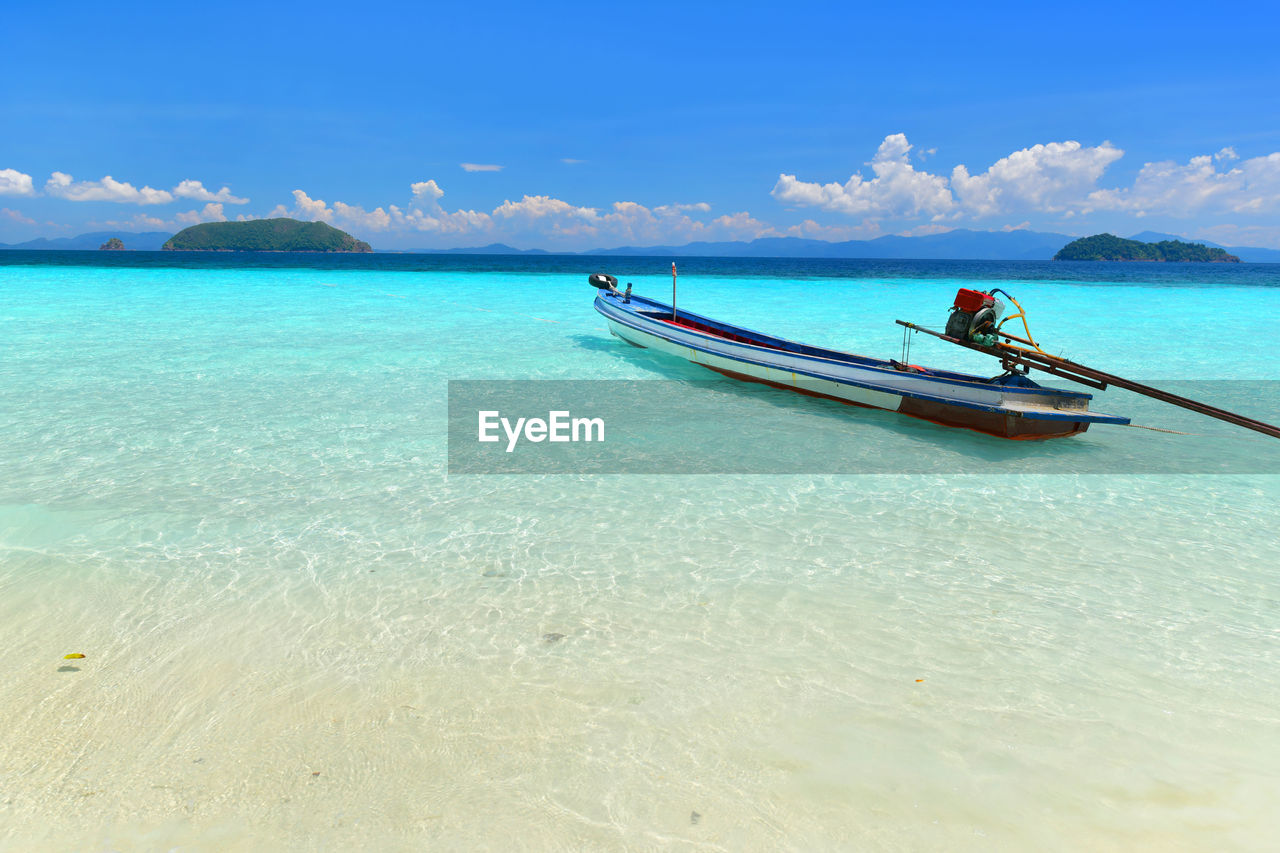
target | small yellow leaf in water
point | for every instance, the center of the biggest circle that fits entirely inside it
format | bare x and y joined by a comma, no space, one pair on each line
73,656
918,680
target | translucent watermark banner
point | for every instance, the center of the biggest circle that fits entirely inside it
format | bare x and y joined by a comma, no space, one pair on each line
723,426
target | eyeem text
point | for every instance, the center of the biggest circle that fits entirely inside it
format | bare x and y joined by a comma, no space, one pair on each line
558,426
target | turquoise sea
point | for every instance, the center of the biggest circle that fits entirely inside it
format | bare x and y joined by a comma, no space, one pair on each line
223,480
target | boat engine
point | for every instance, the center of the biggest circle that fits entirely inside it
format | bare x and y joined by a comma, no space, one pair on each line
974,316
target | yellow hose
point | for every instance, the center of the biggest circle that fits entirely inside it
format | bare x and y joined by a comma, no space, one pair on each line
1021,315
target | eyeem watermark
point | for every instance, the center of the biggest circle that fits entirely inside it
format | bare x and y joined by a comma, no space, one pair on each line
722,426
559,426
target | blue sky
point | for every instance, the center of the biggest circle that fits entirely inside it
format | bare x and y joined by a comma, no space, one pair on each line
615,124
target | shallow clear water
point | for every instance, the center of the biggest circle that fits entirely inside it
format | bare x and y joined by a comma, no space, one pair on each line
226,487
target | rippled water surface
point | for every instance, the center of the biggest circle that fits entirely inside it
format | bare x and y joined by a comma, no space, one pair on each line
225,485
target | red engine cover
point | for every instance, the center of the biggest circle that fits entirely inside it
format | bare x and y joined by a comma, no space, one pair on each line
972,301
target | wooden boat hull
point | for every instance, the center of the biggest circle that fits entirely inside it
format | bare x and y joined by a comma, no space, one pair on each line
1009,408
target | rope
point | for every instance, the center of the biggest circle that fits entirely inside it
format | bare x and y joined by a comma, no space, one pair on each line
1158,429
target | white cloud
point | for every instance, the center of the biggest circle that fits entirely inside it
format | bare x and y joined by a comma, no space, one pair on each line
816,231
537,219
1046,178
629,222
1240,235
61,185
304,208
442,222
425,213
1058,178
1250,187
700,207
625,222
572,161
1050,178
357,217
480,167
17,216
428,192
896,191
195,191
13,182
926,230
137,223
211,212
739,226
541,206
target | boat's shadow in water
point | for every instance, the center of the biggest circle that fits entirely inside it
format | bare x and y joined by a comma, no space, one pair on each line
931,440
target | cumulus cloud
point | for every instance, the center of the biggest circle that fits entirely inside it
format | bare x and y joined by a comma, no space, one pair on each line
700,207
1059,178
1249,187
541,206
441,221
738,226
17,216
480,167
1049,178
61,185
537,219
305,208
898,190
13,182
809,228
425,213
137,223
212,212
1240,235
428,192
926,230
625,221
195,191
356,216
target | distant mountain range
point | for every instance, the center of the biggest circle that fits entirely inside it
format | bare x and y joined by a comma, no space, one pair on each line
491,249
961,245
1244,253
146,241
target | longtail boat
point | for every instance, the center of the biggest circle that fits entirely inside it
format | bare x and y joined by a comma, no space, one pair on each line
1009,405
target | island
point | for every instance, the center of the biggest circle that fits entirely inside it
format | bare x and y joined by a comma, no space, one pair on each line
115,244
1109,247
264,235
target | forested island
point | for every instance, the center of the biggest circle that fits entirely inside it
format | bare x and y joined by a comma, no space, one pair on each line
115,244
264,235
1109,247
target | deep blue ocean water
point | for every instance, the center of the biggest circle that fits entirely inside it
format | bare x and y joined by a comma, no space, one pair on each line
223,479
1171,274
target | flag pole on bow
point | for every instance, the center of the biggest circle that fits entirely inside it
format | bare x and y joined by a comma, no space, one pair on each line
673,291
